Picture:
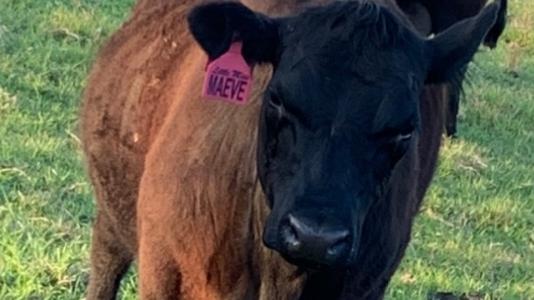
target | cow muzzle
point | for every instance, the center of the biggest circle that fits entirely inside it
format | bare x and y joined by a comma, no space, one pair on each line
310,244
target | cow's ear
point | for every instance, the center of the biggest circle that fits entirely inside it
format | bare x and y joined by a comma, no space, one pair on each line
216,25
451,50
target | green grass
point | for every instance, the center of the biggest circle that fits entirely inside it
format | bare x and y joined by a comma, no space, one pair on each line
475,233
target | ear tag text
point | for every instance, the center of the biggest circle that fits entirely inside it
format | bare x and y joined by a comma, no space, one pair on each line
229,77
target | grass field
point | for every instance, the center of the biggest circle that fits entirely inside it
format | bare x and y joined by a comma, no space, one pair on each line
475,234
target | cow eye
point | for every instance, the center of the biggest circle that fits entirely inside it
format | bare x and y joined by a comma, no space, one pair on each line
275,107
400,144
402,141
404,137
274,100
390,137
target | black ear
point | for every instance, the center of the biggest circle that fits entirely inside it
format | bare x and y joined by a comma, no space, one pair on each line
216,25
454,48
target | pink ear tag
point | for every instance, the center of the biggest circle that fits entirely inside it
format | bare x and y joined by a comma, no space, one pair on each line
229,77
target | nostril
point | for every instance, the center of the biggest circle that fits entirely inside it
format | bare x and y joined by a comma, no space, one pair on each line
304,239
339,246
291,238
337,249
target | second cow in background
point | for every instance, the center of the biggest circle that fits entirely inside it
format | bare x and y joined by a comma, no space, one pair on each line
433,17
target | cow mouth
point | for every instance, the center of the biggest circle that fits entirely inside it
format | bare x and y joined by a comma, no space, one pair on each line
311,266
306,259
307,266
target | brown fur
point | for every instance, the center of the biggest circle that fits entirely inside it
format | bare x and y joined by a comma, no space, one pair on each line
175,176
142,91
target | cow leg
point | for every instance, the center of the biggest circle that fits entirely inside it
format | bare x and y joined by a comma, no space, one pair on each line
159,276
453,105
110,259
165,274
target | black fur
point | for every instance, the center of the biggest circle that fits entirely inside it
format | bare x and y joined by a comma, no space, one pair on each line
444,14
348,134
450,48
496,31
216,25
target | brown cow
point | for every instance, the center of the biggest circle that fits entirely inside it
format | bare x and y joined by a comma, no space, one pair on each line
346,134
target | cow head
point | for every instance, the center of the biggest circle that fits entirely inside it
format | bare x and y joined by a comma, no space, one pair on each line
339,114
